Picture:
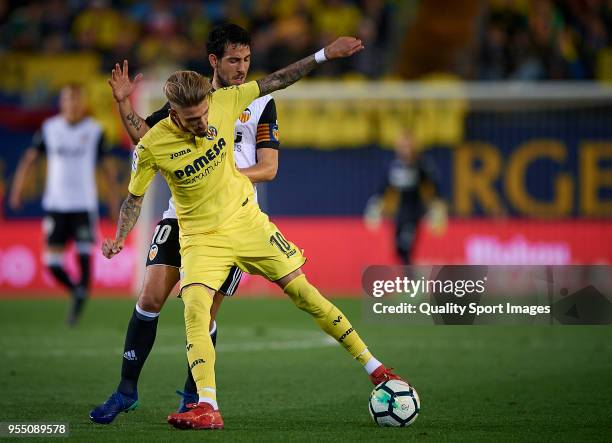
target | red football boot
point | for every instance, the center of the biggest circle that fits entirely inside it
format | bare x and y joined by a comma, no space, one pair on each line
200,416
382,373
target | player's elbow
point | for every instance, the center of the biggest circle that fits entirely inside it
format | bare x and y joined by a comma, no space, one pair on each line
270,173
273,171
136,135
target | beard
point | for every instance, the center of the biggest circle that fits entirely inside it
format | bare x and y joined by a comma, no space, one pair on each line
225,82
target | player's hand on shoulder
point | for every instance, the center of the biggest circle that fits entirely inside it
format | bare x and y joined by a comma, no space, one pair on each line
112,247
343,47
120,82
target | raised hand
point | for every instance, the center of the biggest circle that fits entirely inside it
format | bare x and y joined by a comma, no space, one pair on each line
343,47
120,82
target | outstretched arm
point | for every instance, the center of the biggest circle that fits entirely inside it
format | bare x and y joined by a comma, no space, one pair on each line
128,215
340,48
122,88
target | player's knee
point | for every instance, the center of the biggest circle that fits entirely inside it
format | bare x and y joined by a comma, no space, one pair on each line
54,259
84,247
197,306
150,305
151,300
307,298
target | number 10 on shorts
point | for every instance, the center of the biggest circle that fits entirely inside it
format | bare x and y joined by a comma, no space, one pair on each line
282,244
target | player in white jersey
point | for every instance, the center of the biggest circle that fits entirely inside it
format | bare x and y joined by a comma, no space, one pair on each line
256,154
73,144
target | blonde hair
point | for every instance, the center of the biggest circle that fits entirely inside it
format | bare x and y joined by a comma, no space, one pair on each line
187,88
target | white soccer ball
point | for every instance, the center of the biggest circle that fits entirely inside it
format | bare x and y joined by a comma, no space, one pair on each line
394,403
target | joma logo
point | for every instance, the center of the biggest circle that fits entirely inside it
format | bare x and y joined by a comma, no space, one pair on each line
343,336
199,361
179,153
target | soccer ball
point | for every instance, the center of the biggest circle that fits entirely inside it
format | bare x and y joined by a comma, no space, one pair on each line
394,403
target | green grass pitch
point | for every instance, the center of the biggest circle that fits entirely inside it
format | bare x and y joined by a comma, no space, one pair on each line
280,379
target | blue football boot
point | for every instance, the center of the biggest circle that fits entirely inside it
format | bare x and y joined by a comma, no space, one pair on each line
117,403
187,398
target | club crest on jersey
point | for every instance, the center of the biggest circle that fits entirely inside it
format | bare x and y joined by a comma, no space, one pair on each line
153,252
275,131
245,116
211,133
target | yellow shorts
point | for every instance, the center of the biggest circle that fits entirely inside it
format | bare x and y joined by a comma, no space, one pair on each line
248,240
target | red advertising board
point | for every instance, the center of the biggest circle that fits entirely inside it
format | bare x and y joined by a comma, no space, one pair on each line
22,268
338,250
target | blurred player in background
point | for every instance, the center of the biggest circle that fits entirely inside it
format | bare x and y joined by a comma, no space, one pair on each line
256,156
73,144
415,180
221,225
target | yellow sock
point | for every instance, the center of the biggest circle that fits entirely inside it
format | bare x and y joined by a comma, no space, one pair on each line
200,349
328,317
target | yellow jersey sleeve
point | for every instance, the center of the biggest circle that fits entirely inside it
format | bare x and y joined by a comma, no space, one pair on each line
143,170
235,99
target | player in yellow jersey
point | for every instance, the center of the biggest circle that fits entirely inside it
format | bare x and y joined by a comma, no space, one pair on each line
220,224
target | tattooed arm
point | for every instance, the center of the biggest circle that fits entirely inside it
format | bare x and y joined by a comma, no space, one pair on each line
128,215
340,48
122,88
134,124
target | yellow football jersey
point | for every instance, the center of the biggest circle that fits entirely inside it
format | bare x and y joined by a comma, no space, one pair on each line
200,171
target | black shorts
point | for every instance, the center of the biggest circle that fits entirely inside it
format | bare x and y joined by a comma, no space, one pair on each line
61,227
165,250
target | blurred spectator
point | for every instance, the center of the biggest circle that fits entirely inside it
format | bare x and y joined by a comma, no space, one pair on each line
542,40
55,24
99,26
518,39
159,20
336,17
291,40
375,29
23,28
333,18
195,25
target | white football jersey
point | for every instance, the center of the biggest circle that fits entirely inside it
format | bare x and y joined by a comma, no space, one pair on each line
248,132
72,152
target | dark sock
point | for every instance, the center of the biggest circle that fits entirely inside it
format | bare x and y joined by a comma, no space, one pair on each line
84,262
61,276
190,386
213,337
139,340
